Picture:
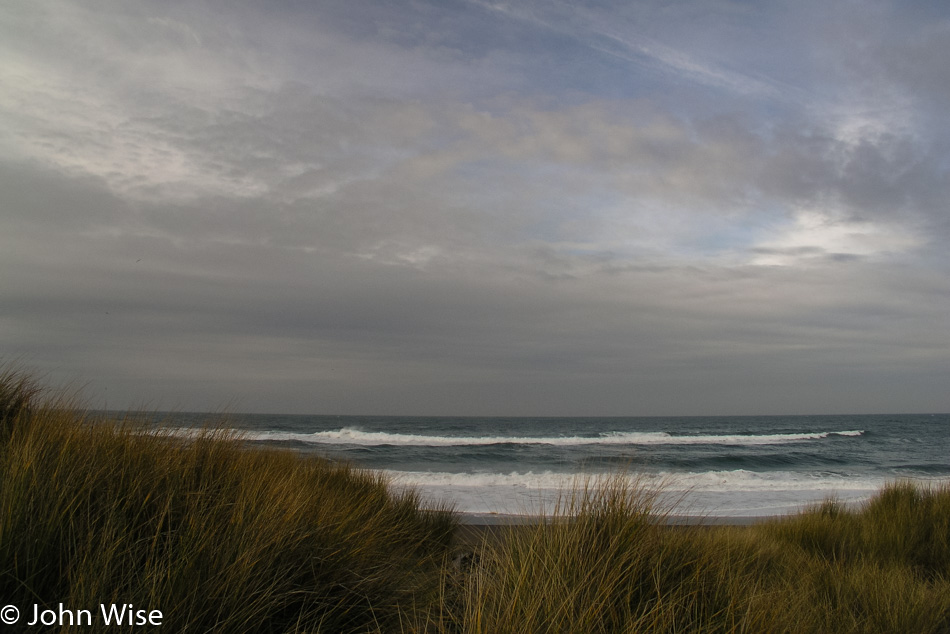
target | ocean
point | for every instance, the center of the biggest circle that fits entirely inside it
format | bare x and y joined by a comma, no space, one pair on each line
716,466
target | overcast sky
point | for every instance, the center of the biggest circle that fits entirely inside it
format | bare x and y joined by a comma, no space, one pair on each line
475,207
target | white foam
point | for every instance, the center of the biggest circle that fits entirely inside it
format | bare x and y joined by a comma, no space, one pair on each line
739,479
353,436
738,493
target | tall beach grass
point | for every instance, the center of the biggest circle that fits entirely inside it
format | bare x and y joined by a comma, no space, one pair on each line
224,538
611,564
217,536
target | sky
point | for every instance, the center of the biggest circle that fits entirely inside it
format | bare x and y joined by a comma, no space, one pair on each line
471,207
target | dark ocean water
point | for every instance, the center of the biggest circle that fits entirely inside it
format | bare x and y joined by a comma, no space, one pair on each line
730,466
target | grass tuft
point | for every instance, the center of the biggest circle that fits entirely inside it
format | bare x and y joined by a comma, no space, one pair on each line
18,395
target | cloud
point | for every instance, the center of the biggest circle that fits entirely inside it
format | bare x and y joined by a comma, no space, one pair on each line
625,40
454,210
818,233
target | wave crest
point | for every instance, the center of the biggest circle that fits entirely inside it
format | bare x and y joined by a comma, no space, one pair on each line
354,436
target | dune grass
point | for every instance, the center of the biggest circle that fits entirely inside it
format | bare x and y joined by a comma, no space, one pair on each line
217,536
610,564
225,538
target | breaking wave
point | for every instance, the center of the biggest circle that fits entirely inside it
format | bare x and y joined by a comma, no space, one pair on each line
353,436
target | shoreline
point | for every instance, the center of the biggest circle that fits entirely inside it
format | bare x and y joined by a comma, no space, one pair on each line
512,519
475,529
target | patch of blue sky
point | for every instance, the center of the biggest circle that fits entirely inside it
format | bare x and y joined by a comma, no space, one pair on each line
716,235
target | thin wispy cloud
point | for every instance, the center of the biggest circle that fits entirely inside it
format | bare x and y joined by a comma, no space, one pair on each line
594,31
